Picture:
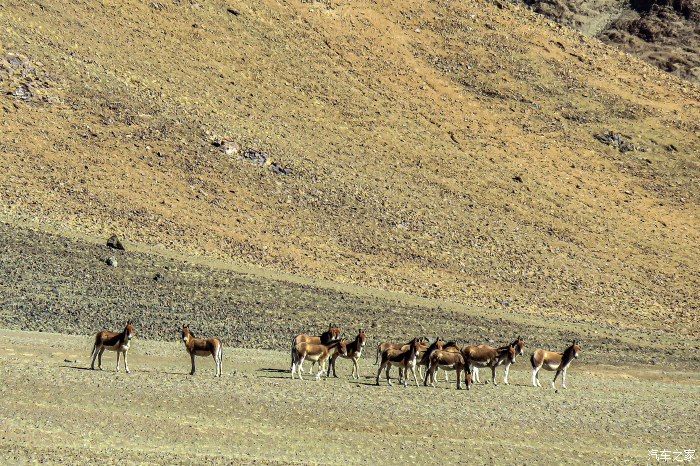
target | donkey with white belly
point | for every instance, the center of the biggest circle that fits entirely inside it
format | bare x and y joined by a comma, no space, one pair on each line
354,353
202,347
553,361
112,341
487,356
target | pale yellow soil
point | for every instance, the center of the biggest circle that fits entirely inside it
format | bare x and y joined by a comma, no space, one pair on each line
58,412
441,149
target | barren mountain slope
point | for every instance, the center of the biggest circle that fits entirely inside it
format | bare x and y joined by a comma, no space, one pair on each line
666,33
442,149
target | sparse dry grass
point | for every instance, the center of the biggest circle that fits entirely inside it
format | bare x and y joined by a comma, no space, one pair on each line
403,125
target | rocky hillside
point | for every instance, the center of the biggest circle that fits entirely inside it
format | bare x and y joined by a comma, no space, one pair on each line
474,152
666,33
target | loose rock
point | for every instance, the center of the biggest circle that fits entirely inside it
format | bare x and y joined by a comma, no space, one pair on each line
114,243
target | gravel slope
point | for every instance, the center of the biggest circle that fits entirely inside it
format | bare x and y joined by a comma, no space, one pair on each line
52,283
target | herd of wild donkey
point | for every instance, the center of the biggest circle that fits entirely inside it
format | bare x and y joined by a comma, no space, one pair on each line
329,346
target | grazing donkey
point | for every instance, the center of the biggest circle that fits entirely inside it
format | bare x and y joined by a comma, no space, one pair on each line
112,341
333,333
202,347
318,353
354,352
487,356
404,359
552,361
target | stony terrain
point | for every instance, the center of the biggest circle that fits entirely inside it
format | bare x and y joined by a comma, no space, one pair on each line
255,414
55,284
448,150
666,33
469,170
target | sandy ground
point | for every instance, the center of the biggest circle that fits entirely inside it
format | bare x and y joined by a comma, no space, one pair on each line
56,411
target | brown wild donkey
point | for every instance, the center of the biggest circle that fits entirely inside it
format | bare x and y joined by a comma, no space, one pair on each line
333,333
354,352
202,347
404,359
487,356
318,353
552,361
113,341
381,347
449,358
519,345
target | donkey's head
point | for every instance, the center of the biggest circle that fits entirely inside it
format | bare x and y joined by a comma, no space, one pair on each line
185,334
512,353
519,344
576,348
333,333
129,330
361,338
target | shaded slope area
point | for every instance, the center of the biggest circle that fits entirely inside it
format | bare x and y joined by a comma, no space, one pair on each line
443,150
665,33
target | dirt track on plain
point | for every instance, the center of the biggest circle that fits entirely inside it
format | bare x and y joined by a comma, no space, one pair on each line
58,412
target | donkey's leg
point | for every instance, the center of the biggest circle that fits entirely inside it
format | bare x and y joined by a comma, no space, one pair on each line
216,364
99,357
192,370
415,378
299,366
563,378
428,375
126,362
534,376
95,350
355,369
221,359
217,361
331,365
118,354
321,368
505,377
555,377
379,372
388,368
493,375
475,375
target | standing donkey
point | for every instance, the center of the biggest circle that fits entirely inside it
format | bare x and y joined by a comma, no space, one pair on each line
354,352
404,359
487,356
552,361
202,347
518,344
317,353
112,341
333,333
